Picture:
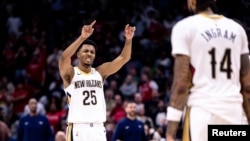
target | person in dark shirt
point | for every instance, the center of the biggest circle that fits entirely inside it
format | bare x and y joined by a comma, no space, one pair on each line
129,128
34,127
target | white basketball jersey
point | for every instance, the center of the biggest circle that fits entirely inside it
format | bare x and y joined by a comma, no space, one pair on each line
214,45
86,98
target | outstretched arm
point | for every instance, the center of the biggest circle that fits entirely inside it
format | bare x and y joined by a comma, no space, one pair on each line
245,84
65,67
109,68
179,95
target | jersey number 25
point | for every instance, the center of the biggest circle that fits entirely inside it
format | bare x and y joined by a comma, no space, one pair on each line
89,97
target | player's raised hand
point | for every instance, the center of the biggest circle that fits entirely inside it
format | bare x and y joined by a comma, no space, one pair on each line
87,30
129,31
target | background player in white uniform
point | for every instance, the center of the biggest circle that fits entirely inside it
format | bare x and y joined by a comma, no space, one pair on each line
217,49
84,85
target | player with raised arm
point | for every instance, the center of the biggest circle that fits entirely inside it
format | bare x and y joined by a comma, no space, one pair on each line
83,85
216,47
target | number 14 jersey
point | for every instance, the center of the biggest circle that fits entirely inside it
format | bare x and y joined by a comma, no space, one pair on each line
86,98
214,44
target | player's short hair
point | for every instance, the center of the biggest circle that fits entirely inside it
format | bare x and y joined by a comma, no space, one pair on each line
87,42
202,5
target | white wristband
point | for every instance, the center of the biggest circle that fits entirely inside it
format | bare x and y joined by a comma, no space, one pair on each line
174,114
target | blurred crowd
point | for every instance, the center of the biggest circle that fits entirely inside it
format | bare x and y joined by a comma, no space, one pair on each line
35,32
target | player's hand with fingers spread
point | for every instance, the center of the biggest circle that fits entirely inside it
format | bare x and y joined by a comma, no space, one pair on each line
87,30
129,31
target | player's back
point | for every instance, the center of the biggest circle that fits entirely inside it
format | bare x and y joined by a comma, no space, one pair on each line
214,44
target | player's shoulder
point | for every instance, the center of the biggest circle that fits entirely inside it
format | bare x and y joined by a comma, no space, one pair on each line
186,22
96,72
233,22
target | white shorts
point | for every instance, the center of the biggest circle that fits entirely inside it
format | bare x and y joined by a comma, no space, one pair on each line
86,132
244,118
198,120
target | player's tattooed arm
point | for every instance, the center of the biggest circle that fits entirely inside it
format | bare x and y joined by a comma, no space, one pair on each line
172,130
180,86
180,89
245,84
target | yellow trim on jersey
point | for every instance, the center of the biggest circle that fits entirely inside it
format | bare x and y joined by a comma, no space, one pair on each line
186,127
213,16
84,73
69,132
68,99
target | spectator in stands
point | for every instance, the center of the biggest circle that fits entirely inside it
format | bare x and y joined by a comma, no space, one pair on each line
160,118
14,24
21,61
35,71
20,97
128,87
8,84
147,86
54,114
138,101
114,86
110,102
4,103
151,133
141,115
52,64
118,112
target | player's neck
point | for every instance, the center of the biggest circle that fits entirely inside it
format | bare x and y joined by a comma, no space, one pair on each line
208,11
85,69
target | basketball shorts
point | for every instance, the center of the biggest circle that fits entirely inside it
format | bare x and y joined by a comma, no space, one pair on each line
244,119
86,132
196,122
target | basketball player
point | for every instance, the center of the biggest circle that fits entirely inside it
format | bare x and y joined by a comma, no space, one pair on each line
216,47
84,85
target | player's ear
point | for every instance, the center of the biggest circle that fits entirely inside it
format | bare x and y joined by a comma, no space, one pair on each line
191,5
77,54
